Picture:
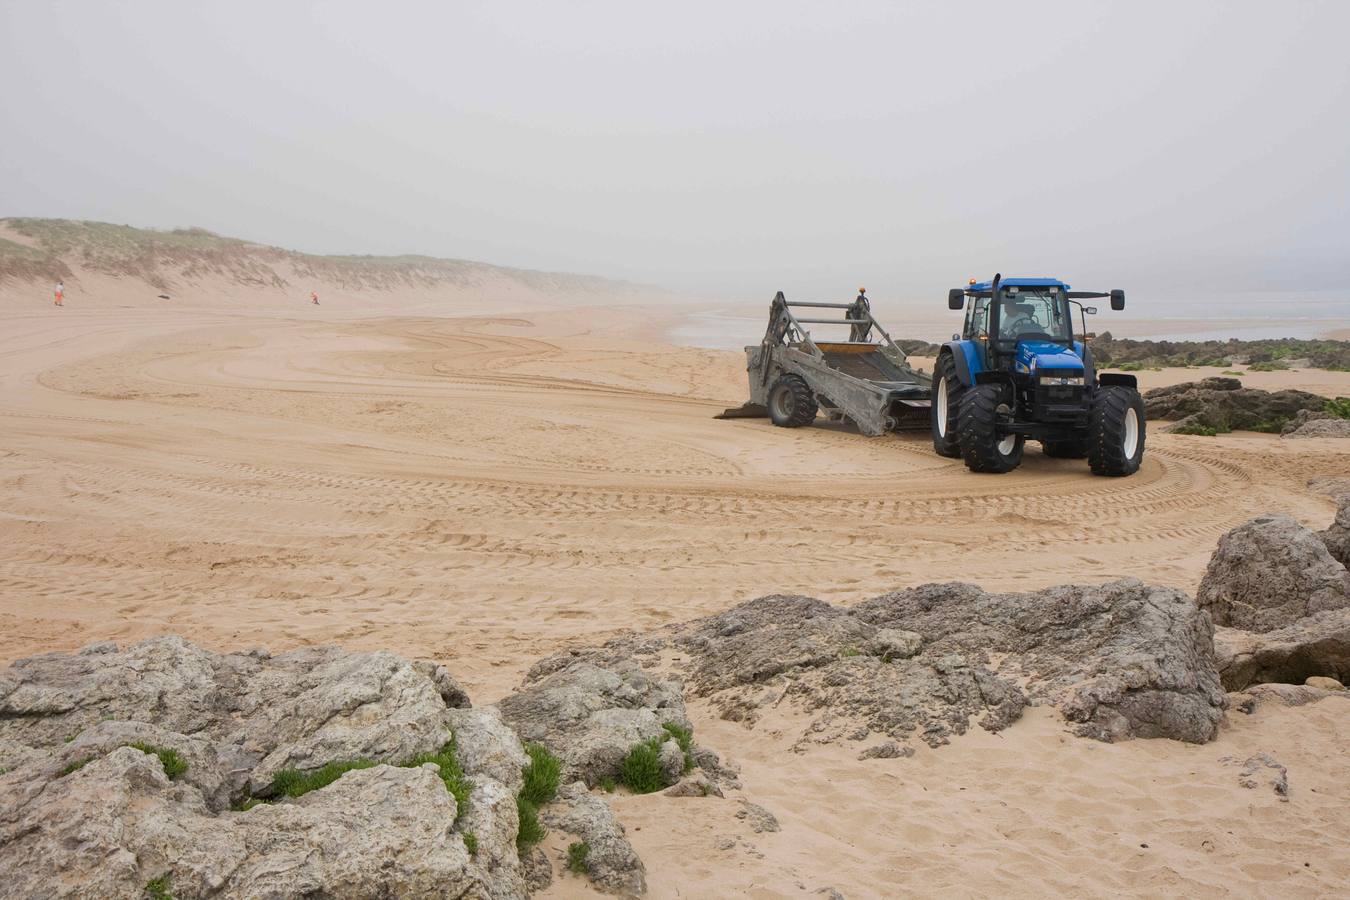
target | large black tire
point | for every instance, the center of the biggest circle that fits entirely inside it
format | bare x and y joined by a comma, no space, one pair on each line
1068,448
791,403
982,447
1116,431
945,379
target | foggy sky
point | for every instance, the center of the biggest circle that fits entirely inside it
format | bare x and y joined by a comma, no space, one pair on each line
720,148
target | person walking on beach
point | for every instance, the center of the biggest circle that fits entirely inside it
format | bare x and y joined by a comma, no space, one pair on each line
314,297
60,294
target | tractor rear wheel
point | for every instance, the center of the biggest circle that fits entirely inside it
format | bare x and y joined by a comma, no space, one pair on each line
1066,448
791,403
1116,431
982,447
945,407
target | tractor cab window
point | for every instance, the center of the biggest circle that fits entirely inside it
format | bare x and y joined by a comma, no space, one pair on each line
1030,313
977,323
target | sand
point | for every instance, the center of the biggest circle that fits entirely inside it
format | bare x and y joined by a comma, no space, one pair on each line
502,480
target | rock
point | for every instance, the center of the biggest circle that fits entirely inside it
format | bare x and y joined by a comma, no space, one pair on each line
590,716
83,814
695,785
1322,428
1315,645
1269,573
1224,403
612,864
1292,694
715,768
537,869
888,750
1323,683
672,761
1337,537
112,826
758,818
894,643
1251,769
1120,660
484,745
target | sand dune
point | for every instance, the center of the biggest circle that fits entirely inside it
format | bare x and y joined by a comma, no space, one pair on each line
484,489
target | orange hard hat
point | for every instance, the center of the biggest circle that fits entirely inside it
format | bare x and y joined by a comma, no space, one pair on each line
862,290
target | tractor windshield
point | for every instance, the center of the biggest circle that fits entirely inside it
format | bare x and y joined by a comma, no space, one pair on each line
1027,314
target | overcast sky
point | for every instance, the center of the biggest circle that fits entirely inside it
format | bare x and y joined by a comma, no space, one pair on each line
722,148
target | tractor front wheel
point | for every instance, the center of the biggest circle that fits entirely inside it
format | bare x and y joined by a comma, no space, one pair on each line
1116,431
791,403
945,406
983,448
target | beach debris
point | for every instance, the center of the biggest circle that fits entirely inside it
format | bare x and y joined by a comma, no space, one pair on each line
611,863
757,817
162,762
1251,769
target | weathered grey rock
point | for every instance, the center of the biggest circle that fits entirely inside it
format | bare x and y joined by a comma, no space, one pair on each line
1224,403
1269,573
696,784
887,750
612,864
1337,537
93,817
1291,694
537,869
893,643
672,761
590,716
758,818
1302,418
1314,645
485,745
109,828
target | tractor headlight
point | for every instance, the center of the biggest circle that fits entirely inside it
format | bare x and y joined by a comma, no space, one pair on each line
1074,381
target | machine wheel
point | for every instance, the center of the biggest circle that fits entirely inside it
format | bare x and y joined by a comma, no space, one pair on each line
1067,448
1116,431
945,407
982,447
791,403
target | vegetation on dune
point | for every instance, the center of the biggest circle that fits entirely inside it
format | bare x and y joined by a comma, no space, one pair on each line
1266,355
174,765
577,852
1340,407
640,770
541,778
159,888
530,830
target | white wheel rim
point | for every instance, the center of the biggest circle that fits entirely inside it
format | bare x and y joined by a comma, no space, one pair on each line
781,404
1006,445
941,407
1131,440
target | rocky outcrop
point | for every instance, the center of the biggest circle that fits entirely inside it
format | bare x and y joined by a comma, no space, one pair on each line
83,813
610,862
1337,537
1224,404
1315,423
1282,601
1269,573
1121,660
591,715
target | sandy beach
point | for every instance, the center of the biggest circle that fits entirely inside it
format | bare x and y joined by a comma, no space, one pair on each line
482,490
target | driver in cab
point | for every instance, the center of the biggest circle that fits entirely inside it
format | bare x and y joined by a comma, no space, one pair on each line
1017,319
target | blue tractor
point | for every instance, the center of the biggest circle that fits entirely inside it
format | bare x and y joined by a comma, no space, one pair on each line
1018,371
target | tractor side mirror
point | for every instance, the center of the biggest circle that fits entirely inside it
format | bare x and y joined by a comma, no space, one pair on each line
1117,300
956,299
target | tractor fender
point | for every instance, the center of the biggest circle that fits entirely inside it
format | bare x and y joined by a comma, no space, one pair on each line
1120,379
966,358
994,376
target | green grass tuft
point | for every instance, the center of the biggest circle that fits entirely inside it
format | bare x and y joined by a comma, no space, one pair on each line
607,785
76,766
1231,372
531,830
174,765
1130,367
542,775
294,783
470,842
248,803
1340,407
685,738
577,852
158,888
641,768
1272,366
